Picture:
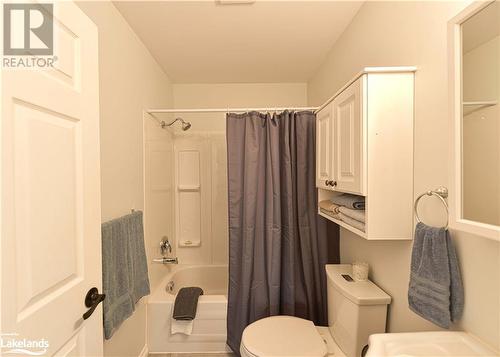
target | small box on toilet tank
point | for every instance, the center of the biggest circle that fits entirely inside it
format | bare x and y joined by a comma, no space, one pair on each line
356,309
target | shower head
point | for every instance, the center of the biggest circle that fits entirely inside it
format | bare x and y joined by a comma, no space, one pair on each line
185,124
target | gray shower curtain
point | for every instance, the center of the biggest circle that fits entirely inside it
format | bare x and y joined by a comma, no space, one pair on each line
278,244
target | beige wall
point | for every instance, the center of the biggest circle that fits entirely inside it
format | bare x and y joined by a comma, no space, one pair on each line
414,33
130,80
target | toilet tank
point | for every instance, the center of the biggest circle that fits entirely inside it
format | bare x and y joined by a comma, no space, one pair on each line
356,309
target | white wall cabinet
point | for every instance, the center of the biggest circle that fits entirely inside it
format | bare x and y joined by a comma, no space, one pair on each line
348,143
365,147
340,129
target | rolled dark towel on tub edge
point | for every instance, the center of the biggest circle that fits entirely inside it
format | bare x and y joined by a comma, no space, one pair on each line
186,303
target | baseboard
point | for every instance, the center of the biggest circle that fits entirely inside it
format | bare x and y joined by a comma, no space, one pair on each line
144,352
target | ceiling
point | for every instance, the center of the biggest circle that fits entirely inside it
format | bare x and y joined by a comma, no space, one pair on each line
268,41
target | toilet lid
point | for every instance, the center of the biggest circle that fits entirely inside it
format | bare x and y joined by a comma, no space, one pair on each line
283,336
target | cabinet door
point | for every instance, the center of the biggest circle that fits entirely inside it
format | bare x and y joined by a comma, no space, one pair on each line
348,151
324,136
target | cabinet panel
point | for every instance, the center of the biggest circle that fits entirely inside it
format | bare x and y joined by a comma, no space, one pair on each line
324,146
390,144
348,149
373,116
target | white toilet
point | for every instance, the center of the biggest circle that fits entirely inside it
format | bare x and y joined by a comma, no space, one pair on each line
355,311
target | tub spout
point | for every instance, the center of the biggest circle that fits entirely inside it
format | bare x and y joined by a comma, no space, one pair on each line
166,260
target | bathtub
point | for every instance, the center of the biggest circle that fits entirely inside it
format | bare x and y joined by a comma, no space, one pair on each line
209,330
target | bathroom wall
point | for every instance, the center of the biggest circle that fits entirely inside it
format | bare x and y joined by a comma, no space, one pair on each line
414,33
130,80
207,139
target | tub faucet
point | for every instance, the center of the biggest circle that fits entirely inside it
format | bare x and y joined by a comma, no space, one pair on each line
166,260
166,248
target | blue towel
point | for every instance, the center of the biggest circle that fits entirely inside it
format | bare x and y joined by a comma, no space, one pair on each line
124,269
435,290
349,201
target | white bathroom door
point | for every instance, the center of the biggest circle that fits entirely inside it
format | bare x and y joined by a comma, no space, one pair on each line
51,248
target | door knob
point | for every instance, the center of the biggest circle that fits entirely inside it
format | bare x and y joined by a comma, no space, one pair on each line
92,299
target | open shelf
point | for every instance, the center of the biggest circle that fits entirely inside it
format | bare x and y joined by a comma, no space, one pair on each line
343,224
471,107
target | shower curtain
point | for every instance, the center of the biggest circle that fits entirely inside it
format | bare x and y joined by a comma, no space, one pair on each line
278,244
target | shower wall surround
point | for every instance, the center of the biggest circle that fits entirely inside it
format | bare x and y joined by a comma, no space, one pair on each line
158,193
200,180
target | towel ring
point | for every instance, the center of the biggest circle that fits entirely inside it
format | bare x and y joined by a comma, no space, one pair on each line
441,193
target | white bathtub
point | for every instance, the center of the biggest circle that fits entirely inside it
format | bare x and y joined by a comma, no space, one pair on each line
209,329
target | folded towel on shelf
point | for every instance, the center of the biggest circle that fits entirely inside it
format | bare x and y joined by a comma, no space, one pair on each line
330,213
124,269
328,206
357,214
349,201
352,222
435,290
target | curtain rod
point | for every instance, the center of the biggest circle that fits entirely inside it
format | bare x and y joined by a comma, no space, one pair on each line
227,110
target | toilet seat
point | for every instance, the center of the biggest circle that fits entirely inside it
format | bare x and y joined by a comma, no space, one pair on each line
282,336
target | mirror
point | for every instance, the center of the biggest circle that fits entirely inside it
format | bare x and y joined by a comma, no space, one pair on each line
480,77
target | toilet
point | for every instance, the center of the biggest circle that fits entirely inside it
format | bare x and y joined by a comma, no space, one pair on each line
356,309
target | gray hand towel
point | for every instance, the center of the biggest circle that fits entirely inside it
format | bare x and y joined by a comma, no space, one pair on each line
349,201
124,269
352,222
357,214
186,303
435,290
